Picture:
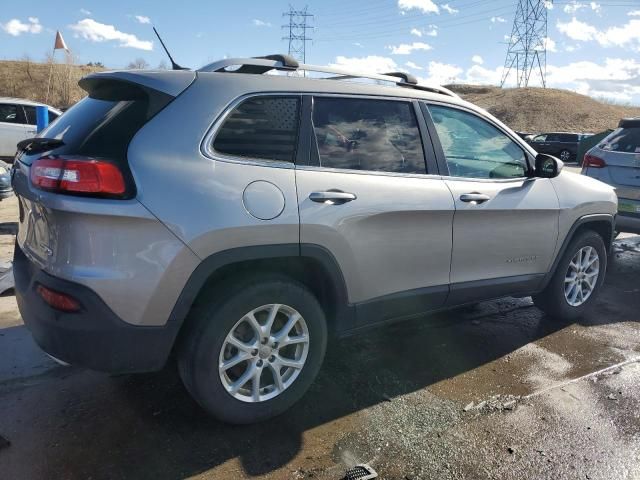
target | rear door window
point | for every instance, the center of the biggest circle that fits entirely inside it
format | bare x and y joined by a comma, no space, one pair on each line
30,113
262,127
367,134
569,137
625,140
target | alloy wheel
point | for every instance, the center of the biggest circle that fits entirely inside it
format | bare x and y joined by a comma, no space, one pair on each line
582,276
264,353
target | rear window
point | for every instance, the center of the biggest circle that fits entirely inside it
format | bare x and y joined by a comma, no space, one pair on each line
625,140
102,124
261,127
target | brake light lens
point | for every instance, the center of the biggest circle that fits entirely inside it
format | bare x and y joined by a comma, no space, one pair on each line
59,301
593,162
84,176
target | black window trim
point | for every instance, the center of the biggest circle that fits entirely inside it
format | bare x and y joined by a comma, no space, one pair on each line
440,156
431,167
206,145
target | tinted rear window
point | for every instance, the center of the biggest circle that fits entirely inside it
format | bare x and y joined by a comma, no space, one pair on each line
103,128
625,140
261,127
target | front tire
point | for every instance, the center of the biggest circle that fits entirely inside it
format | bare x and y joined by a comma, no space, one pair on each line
577,280
565,156
251,351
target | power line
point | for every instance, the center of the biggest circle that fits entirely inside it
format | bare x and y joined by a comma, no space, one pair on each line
297,29
528,43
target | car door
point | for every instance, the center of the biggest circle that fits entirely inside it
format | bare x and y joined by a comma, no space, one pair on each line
366,196
505,226
12,128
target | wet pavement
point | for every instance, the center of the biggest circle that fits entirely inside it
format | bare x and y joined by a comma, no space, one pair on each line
490,392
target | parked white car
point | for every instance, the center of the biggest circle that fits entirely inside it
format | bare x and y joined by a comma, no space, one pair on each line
17,122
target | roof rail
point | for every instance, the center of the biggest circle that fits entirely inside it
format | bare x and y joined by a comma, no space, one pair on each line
260,65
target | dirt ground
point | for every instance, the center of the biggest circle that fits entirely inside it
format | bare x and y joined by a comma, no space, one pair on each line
497,391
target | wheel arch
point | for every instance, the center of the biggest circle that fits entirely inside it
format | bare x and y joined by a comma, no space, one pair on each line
309,264
602,224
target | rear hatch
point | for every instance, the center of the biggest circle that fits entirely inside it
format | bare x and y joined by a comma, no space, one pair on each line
621,154
78,165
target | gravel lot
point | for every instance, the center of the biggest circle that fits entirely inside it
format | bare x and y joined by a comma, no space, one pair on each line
491,392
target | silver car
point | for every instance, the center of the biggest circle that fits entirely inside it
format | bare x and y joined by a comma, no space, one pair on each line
238,219
616,161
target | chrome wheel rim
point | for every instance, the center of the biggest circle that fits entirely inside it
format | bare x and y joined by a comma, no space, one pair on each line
264,353
582,276
565,155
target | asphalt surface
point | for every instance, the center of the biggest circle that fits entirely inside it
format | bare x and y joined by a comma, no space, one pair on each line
497,391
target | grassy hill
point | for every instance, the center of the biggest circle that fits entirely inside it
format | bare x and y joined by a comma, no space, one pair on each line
538,109
24,79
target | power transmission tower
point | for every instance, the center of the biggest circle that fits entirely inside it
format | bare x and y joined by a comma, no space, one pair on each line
528,43
297,29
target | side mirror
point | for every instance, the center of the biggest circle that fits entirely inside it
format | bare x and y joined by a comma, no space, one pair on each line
547,166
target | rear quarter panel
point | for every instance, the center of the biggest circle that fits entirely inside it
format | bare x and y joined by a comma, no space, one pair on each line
197,197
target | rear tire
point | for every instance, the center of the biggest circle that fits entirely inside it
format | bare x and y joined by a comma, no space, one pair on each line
568,299
218,321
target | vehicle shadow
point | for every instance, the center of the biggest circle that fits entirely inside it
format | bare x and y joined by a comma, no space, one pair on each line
147,426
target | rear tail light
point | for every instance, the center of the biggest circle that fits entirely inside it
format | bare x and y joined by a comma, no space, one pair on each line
593,162
59,301
83,176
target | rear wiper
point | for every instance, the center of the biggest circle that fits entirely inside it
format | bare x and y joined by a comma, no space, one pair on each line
38,145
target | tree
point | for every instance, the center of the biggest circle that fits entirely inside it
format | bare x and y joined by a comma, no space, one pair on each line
138,64
163,65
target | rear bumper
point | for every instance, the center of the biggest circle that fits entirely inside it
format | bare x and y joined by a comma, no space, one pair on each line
94,337
628,223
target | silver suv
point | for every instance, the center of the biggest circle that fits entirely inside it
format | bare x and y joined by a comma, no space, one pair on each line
237,218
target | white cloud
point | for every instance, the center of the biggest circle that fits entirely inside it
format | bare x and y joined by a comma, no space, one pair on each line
443,73
577,30
413,66
261,23
622,36
575,6
15,27
407,48
477,59
426,6
142,19
432,31
358,44
550,44
85,12
634,13
449,9
371,63
479,75
498,20
94,31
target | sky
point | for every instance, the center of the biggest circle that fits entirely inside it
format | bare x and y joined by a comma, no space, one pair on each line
593,47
